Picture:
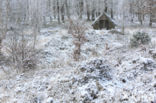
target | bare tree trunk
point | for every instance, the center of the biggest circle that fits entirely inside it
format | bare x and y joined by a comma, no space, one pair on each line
123,23
58,12
5,26
49,10
67,9
93,14
112,12
81,8
98,10
131,10
37,23
150,10
62,13
140,18
88,12
112,16
54,9
106,8
35,36
1,46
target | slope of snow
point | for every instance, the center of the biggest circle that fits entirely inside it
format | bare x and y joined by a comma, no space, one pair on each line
118,74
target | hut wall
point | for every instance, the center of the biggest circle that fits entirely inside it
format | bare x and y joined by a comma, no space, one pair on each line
103,22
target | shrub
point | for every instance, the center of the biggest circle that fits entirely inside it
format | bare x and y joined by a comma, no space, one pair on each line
140,38
22,53
77,29
97,69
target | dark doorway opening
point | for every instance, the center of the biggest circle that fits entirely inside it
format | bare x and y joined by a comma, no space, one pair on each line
107,24
101,24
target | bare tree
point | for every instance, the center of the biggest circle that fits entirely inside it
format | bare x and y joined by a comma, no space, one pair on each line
140,10
67,9
151,10
4,22
131,10
93,11
77,30
112,12
54,8
81,5
88,10
58,12
62,13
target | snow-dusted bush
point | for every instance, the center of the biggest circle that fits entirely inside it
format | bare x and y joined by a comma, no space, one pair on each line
140,38
148,64
90,76
22,53
152,52
98,69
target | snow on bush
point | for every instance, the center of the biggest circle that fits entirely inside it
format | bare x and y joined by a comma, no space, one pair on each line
89,77
139,38
97,69
147,64
22,53
152,52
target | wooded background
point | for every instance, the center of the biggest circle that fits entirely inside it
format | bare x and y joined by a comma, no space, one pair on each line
34,12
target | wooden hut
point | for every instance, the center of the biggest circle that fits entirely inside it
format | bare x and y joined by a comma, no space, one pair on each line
103,21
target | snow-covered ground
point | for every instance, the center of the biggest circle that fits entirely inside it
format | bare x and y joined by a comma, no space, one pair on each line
113,74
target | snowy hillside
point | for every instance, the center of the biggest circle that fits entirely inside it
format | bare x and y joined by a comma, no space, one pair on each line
119,74
77,51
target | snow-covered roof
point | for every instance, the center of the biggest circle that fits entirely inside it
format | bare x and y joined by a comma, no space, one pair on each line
104,14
